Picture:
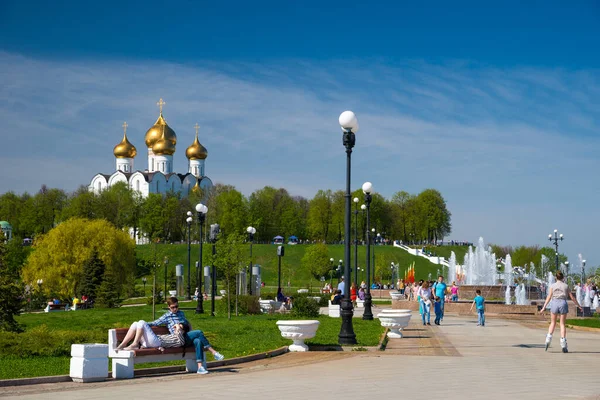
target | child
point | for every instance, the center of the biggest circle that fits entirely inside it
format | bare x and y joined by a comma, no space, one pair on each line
479,302
438,310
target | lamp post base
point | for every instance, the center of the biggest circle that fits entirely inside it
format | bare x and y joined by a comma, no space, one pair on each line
347,335
199,306
368,314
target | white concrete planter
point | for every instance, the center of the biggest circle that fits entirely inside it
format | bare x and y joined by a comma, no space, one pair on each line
302,290
89,362
298,331
395,322
395,311
396,295
173,293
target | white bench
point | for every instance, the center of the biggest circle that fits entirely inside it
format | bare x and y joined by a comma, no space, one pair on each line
360,303
334,310
269,306
124,361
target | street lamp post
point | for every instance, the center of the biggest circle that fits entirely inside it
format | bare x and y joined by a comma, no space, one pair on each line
567,271
280,253
201,211
367,187
349,125
356,241
189,220
166,262
214,233
331,271
582,271
251,231
554,240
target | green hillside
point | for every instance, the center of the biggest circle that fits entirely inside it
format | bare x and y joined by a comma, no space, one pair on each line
291,266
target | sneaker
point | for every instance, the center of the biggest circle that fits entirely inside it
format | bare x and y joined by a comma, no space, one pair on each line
548,340
202,370
428,323
218,356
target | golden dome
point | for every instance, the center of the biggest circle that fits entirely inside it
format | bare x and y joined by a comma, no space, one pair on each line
156,132
196,151
163,147
125,149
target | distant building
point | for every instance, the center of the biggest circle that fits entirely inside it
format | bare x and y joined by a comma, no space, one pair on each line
159,176
6,229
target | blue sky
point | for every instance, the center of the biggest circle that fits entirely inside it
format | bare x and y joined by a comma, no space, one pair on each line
495,106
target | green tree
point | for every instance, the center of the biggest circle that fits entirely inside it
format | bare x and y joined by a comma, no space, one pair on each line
153,219
229,261
93,274
434,216
316,260
11,207
116,205
59,257
11,291
319,215
400,211
47,207
231,211
80,204
107,295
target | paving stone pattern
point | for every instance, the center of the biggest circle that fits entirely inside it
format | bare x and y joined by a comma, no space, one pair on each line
458,360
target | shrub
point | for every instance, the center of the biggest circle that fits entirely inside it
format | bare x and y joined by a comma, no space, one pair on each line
157,300
304,306
246,305
41,341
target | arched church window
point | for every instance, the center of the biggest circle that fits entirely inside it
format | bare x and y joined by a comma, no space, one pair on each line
137,185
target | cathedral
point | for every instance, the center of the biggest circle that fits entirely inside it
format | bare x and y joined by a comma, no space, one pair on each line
159,176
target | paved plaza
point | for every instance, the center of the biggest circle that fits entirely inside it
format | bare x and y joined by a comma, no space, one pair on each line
503,360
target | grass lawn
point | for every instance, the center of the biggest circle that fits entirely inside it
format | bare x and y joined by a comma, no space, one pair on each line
589,322
44,348
291,265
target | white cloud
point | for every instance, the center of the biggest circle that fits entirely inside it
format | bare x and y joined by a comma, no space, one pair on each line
499,142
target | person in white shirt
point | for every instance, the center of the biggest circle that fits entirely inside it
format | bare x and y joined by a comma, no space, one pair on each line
342,286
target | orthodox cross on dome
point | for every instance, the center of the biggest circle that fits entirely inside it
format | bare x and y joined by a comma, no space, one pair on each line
160,104
197,127
125,127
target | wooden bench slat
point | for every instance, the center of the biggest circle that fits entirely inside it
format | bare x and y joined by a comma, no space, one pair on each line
168,350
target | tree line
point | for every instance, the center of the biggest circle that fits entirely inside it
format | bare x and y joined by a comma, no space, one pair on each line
272,211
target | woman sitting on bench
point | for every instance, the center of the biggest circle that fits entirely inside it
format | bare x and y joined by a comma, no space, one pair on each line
143,336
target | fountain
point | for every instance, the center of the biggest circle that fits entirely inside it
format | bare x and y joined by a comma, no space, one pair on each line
480,265
507,299
587,301
508,271
578,294
452,269
521,297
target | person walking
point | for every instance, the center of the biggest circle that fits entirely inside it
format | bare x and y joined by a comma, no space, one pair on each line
438,310
439,290
454,292
557,298
479,301
425,302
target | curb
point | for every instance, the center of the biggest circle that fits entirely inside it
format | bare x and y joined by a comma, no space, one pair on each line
147,371
583,328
